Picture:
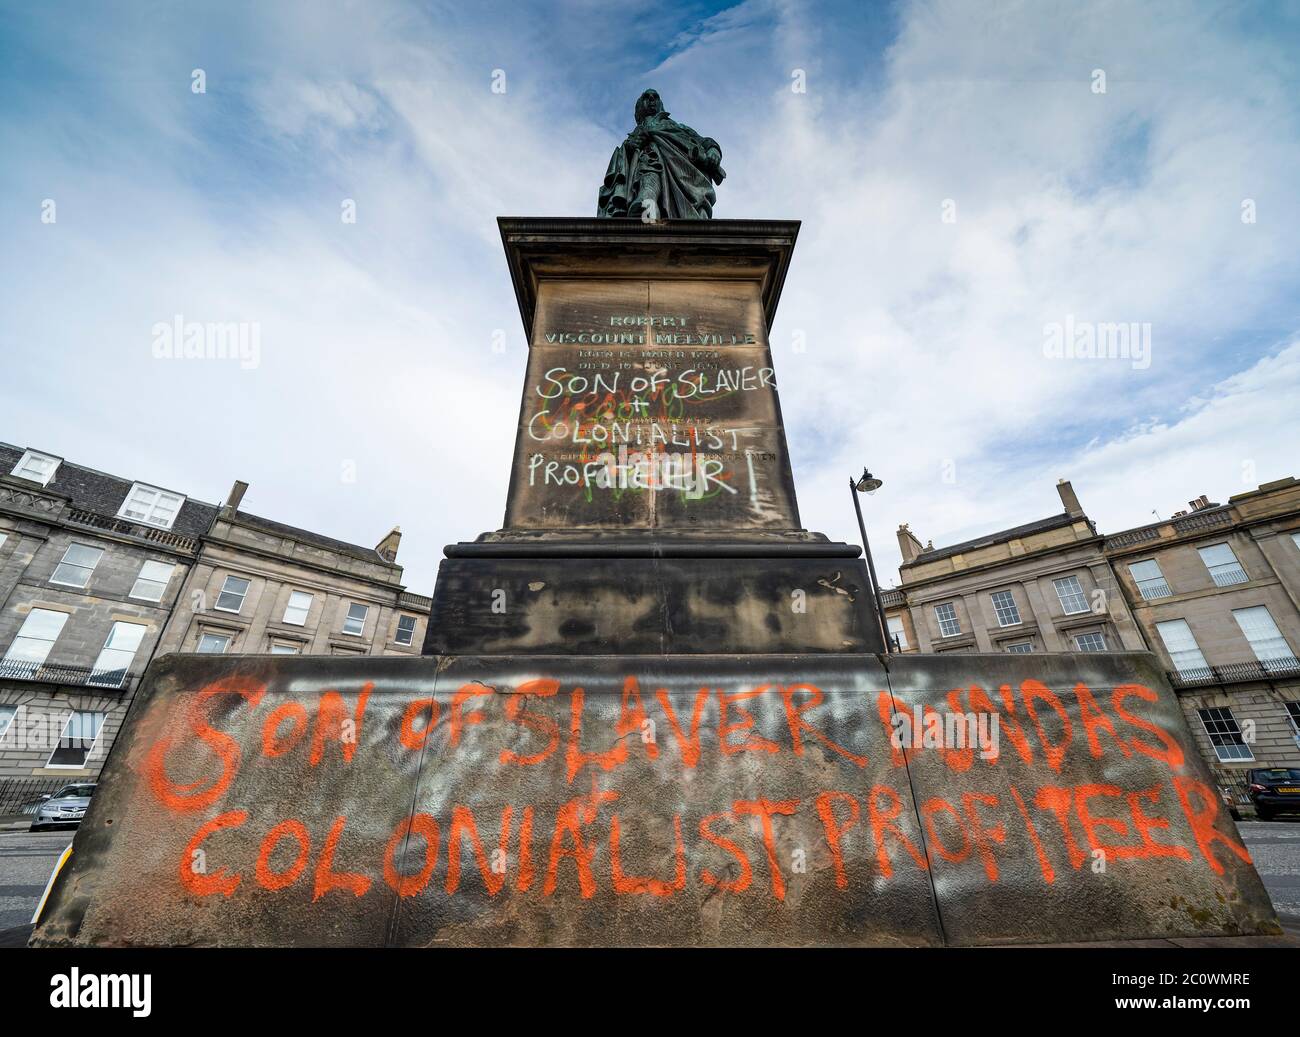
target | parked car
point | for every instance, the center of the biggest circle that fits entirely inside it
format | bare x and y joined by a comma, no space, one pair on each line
1274,790
65,808
30,806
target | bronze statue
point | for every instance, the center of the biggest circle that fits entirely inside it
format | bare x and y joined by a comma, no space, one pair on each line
663,170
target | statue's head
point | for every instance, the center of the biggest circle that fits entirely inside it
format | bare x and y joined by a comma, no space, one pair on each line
648,104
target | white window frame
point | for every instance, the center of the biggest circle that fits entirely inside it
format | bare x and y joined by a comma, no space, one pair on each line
1151,588
241,595
1292,714
347,618
397,634
49,644
1224,573
89,569
1076,590
282,648
99,730
1009,606
899,632
163,582
1182,648
942,620
1020,647
1078,641
306,610
203,634
149,507
36,455
1275,644
1224,717
108,647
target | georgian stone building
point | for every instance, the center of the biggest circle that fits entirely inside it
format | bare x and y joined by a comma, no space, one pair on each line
91,565
1214,591
259,586
1045,586
99,574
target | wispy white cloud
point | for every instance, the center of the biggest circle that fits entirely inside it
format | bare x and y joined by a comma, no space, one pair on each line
924,338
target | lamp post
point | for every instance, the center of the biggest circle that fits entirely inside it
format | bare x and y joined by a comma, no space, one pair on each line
868,483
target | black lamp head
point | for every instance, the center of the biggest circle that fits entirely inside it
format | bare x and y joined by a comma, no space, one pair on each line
868,483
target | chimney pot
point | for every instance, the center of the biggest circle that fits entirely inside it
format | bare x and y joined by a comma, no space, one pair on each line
908,546
1068,498
387,547
235,497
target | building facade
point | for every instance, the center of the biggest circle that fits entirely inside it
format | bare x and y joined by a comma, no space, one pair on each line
91,566
262,587
99,574
1214,591
1045,586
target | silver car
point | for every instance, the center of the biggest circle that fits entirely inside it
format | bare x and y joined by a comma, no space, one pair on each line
65,808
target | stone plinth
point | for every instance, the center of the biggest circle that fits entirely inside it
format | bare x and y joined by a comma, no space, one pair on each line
712,800
651,504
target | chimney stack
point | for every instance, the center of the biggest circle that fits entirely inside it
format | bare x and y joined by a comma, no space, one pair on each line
908,545
234,499
1200,504
387,547
1069,498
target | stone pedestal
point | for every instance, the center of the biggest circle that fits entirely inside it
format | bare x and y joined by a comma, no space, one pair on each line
651,506
652,710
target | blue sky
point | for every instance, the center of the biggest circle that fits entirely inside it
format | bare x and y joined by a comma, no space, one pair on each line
378,398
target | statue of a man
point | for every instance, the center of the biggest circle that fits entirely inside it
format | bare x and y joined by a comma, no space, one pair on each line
664,170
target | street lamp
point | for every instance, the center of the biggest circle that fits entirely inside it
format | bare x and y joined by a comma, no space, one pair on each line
868,483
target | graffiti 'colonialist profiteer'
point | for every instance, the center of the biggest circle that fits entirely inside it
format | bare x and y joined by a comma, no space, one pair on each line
663,170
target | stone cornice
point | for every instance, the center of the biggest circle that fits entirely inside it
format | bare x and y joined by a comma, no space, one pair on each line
533,242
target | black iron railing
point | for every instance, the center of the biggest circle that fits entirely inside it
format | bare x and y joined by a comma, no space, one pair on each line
58,673
1236,673
24,795
1154,589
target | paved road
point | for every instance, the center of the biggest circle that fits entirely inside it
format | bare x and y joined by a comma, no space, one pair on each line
1275,847
27,858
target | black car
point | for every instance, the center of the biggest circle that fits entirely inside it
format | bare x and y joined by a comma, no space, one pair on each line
1274,790
65,808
